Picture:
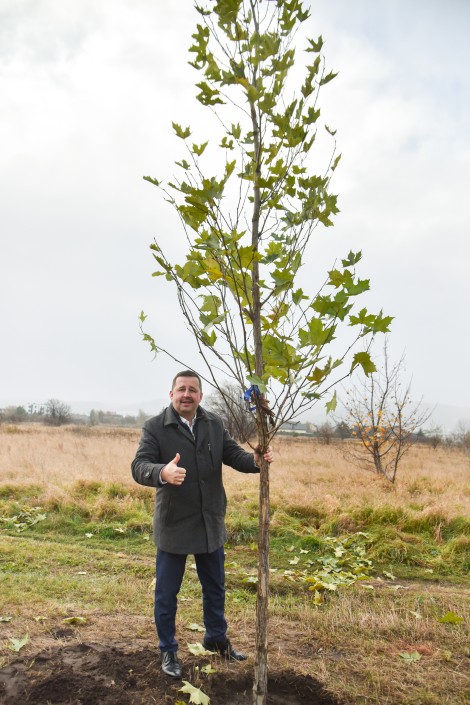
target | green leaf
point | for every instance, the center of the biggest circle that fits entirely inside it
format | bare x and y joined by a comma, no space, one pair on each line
196,695
199,149
416,614
208,95
336,162
298,296
207,669
331,132
202,11
195,627
151,180
451,618
17,644
75,620
182,132
236,131
229,169
258,382
389,575
211,304
315,334
315,46
197,649
381,323
352,259
278,352
326,79
142,317
410,657
331,405
250,580
246,256
226,144
363,359
363,318
208,339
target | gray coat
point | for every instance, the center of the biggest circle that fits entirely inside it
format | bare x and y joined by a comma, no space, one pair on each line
189,518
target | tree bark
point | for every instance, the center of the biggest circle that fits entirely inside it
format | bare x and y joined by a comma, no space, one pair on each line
260,685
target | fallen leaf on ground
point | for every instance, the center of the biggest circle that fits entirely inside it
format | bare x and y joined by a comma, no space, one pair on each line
17,644
196,627
75,620
410,657
451,618
196,695
198,650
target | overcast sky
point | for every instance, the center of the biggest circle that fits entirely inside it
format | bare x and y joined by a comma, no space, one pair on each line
88,92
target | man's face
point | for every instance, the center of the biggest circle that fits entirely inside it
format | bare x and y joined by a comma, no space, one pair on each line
186,396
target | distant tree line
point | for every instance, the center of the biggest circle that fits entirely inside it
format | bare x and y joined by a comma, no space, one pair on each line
57,413
53,412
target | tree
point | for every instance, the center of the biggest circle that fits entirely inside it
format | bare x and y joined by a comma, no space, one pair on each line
434,436
342,430
57,413
14,414
325,433
228,403
384,418
462,434
248,225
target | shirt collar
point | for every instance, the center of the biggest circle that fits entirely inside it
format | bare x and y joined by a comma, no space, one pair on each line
189,423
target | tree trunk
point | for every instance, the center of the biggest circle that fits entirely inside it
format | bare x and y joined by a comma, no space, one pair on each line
260,685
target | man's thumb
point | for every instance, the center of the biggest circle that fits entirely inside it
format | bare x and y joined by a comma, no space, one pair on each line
176,459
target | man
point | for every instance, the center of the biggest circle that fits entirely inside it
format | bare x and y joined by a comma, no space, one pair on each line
181,452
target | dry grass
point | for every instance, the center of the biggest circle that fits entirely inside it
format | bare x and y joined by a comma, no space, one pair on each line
305,473
59,457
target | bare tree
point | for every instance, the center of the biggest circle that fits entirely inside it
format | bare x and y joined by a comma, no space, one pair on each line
384,418
57,413
228,403
434,436
462,435
325,433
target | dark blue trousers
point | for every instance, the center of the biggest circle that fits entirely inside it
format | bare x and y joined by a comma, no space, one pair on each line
211,574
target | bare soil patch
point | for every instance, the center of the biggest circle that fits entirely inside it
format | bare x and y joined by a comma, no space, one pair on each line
99,674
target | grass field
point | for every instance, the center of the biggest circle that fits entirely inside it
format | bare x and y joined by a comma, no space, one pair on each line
362,571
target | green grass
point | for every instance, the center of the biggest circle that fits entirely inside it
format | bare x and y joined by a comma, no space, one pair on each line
53,569
120,518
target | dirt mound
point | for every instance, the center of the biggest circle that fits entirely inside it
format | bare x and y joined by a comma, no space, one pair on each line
93,674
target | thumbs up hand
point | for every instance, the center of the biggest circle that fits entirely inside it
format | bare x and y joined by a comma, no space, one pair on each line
173,474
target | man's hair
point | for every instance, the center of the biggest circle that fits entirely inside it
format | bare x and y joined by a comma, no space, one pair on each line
187,373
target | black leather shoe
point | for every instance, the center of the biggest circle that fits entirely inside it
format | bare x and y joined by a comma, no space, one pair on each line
170,664
225,649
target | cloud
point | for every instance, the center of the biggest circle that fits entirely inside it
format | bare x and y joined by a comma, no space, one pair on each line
89,91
